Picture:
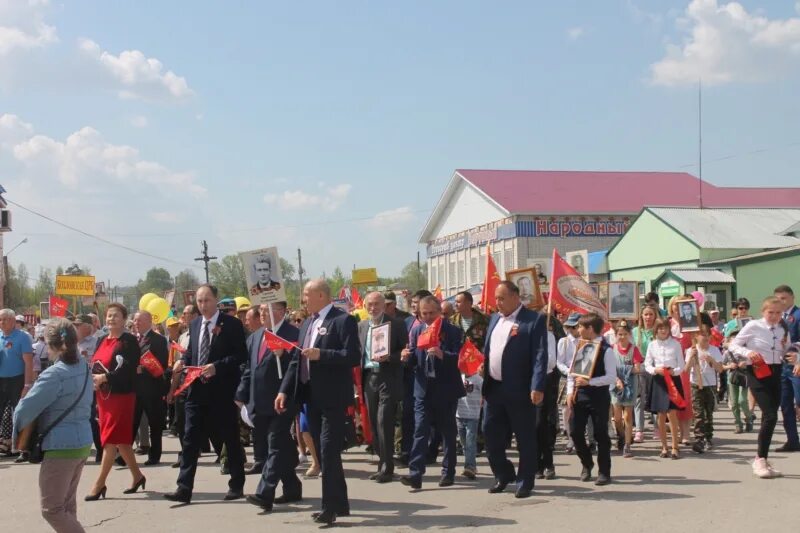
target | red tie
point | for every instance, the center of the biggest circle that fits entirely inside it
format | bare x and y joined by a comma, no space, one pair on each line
263,348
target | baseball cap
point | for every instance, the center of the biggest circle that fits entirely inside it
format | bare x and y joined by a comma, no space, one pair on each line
20,318
172,321
83,319
227,304
572,320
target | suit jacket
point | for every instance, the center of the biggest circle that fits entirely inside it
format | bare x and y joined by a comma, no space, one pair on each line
146,384
122,378
260,382
447,385
393,368
228,352
524,364
331,377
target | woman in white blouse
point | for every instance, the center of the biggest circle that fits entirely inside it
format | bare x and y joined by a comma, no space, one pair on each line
765,342
664,360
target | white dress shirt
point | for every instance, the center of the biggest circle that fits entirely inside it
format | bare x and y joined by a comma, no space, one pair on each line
552,352
610,377
565,353
210,324
662,354
707,371
315,326
758,336
497,343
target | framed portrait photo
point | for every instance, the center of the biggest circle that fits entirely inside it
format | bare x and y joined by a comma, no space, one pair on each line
740,322
586,355
622,301
530,291
379,341
688,315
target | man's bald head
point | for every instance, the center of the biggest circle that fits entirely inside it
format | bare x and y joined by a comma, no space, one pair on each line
143,322
316,295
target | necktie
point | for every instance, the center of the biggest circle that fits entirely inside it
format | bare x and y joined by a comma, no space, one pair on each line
305,364
205,345
263,348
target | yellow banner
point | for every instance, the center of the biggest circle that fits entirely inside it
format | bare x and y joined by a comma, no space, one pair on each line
363,276
75,285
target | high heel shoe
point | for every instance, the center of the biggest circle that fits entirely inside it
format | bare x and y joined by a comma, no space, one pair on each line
141,483
95,497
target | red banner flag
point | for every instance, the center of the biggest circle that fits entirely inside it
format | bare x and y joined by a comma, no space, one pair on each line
430,337
673,394
355,297
58,306
570,293
177,347
192,373
490,283
150,363
275,342
437,292
470,358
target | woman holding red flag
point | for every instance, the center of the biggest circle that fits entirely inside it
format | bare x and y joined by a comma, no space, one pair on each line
686,415
664,361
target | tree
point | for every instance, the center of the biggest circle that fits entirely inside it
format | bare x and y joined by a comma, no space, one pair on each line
337,281
186,280
287,270
156,280
74,270
414,278
228,276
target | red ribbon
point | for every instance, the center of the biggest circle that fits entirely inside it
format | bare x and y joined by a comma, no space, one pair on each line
674,396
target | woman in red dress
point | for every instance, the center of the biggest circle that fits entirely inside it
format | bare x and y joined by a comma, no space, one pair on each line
685,339
116,399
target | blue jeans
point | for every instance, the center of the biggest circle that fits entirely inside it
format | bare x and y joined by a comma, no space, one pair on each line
468,435
790,390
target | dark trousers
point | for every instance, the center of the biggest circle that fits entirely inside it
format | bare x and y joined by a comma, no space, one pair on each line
443,415
220,421
10,391
327,428
592,403
281,459
155,408
501,418
98,445
789,384
382,391
703,406
260,440
547,422
407,439
767,393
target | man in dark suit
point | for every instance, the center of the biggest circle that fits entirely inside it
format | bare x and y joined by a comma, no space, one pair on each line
217,345
383,381
150,391
437,388
273,447
321,375
260,401
515,371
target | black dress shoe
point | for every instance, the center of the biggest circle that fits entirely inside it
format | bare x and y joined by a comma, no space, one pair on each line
522,493
176,464
151,462
409,481
540,474
233,495
586,474
384,477
549,473
255,469
446,481
325,517
284,498
499,486
180,496
373,477
259,501
786,447
225,469
119,461
602,479
402,459
142,450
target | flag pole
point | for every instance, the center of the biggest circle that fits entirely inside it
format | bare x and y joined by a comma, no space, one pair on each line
550,296
272,323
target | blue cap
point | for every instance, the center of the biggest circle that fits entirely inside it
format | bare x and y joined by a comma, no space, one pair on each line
572,320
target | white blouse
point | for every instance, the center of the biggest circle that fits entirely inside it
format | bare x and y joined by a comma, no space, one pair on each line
758,336
662,354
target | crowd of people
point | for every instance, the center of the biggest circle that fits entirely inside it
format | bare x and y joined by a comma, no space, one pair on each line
303,385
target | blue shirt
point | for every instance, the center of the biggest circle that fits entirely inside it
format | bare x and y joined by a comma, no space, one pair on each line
11,349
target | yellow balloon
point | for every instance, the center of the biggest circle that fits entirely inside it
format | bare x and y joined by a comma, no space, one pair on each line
159,308
146,299
241,302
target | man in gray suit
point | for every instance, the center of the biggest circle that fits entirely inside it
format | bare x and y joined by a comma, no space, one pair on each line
382,378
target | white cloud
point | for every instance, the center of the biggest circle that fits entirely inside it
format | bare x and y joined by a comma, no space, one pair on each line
166,217
727,44
13,130
575,33
329,199
22,25
392,219
138,76
138,121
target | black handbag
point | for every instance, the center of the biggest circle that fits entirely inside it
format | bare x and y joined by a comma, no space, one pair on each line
36,453
738,378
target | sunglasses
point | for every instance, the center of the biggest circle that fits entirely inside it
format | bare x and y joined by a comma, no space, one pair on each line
741,308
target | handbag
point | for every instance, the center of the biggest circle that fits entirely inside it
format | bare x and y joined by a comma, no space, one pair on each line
36,453
738,378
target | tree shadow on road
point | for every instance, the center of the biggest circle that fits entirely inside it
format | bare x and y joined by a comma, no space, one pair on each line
586,493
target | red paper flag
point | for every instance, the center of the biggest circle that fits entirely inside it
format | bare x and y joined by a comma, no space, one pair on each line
58,306
716,338
490,283
275,342
470,358
177,347
672,392
569,292
760,368
151,364
355,297
437,292
430,337
192,373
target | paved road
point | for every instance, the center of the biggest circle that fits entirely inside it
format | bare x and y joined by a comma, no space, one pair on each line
712,492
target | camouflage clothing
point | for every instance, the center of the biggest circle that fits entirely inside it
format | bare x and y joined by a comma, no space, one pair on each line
476,331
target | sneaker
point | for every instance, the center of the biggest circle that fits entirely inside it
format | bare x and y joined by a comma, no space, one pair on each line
698,446
761,469
738,429
469,473
626,452
302,458
775,473
708,444
638,438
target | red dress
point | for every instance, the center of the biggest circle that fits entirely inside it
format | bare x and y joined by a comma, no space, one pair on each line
114,411
685,339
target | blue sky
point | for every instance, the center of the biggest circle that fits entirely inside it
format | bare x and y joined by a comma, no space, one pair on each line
308,120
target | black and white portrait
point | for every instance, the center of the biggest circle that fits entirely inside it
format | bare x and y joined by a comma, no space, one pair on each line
622,298
688,316
379,341
579,260
528,283
585,356
263,271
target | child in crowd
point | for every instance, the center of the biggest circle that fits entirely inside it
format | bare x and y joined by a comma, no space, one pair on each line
737,386
663,361
703,362
629,360
467,415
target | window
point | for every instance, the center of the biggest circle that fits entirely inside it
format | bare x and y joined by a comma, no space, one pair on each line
498,256
473,271
434,280
508,257
482,267
452,275
461,273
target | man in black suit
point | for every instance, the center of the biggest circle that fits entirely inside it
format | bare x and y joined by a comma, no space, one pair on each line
437,388
383,381
274,450
321,375
217,345
150,390
515,372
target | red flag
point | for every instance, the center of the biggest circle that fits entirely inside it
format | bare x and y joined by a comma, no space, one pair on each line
192,373
570,293
177,347
437,292
355,297
151,364
430,337
470,358
716,338
760,367
58,306
277,343
672,392
490,283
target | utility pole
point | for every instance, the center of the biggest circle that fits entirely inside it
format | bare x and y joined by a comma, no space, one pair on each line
300,271
205,258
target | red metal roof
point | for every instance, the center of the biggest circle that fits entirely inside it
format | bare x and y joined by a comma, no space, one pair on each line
545,191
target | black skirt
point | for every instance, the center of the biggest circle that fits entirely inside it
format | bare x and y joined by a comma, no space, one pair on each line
659,399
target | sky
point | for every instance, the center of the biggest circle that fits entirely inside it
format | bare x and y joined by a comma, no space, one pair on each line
334,127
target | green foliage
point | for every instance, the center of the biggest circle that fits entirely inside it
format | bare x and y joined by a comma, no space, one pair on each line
156,280
228,275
